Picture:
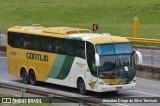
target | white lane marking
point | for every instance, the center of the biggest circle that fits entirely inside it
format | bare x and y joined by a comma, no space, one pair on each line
3,57
67,93
145,93
122,104
8,81
148,80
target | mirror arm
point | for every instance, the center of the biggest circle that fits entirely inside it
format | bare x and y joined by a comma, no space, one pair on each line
139,56
97,60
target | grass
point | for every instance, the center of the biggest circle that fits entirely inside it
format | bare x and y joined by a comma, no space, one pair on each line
5,95
112,16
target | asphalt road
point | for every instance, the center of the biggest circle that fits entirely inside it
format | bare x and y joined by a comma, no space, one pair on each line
144,88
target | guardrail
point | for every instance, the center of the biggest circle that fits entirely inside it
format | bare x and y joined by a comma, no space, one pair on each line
143,40
52,95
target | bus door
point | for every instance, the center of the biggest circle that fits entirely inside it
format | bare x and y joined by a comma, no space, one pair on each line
91,73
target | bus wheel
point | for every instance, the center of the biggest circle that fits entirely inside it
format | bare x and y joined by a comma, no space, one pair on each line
32,77
81,87
24,76
113,92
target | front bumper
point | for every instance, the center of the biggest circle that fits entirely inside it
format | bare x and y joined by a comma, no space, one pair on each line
107,88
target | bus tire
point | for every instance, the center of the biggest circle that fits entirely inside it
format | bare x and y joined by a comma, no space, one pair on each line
113,92
24,76
81,87
32,77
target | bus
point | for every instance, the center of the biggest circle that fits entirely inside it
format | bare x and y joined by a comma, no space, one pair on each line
72,57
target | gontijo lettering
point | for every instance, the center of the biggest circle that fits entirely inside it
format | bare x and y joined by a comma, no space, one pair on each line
38,57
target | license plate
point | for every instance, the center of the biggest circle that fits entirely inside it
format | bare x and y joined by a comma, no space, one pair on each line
119,88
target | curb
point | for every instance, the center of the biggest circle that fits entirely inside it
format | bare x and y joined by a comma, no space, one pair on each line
148,71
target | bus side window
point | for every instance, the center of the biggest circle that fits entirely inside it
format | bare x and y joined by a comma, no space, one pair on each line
36,43
59,45
27,45
46,44
69,47
11,39
80,53
27,41
17,40
59,49
80,49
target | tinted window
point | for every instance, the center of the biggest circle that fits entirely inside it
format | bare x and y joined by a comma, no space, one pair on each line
69,48
27,42
14,39
36,43
80,49
47,44
11,39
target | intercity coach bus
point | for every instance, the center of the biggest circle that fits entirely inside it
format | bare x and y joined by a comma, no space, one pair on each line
72,57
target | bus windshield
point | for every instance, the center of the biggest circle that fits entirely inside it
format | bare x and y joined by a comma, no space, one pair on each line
116,48
116,60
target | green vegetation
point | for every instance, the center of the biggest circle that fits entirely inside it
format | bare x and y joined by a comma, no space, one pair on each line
112,16
5,95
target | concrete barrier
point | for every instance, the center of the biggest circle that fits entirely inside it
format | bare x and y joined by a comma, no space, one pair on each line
145,47
148,71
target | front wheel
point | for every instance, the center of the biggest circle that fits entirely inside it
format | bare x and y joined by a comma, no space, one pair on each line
81,87
113,92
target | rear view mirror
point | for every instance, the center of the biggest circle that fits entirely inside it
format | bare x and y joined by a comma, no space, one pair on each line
139,57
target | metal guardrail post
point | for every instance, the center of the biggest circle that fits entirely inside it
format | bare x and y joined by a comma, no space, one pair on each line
135,27
80,102
151,56
50,97
23,91
0,38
